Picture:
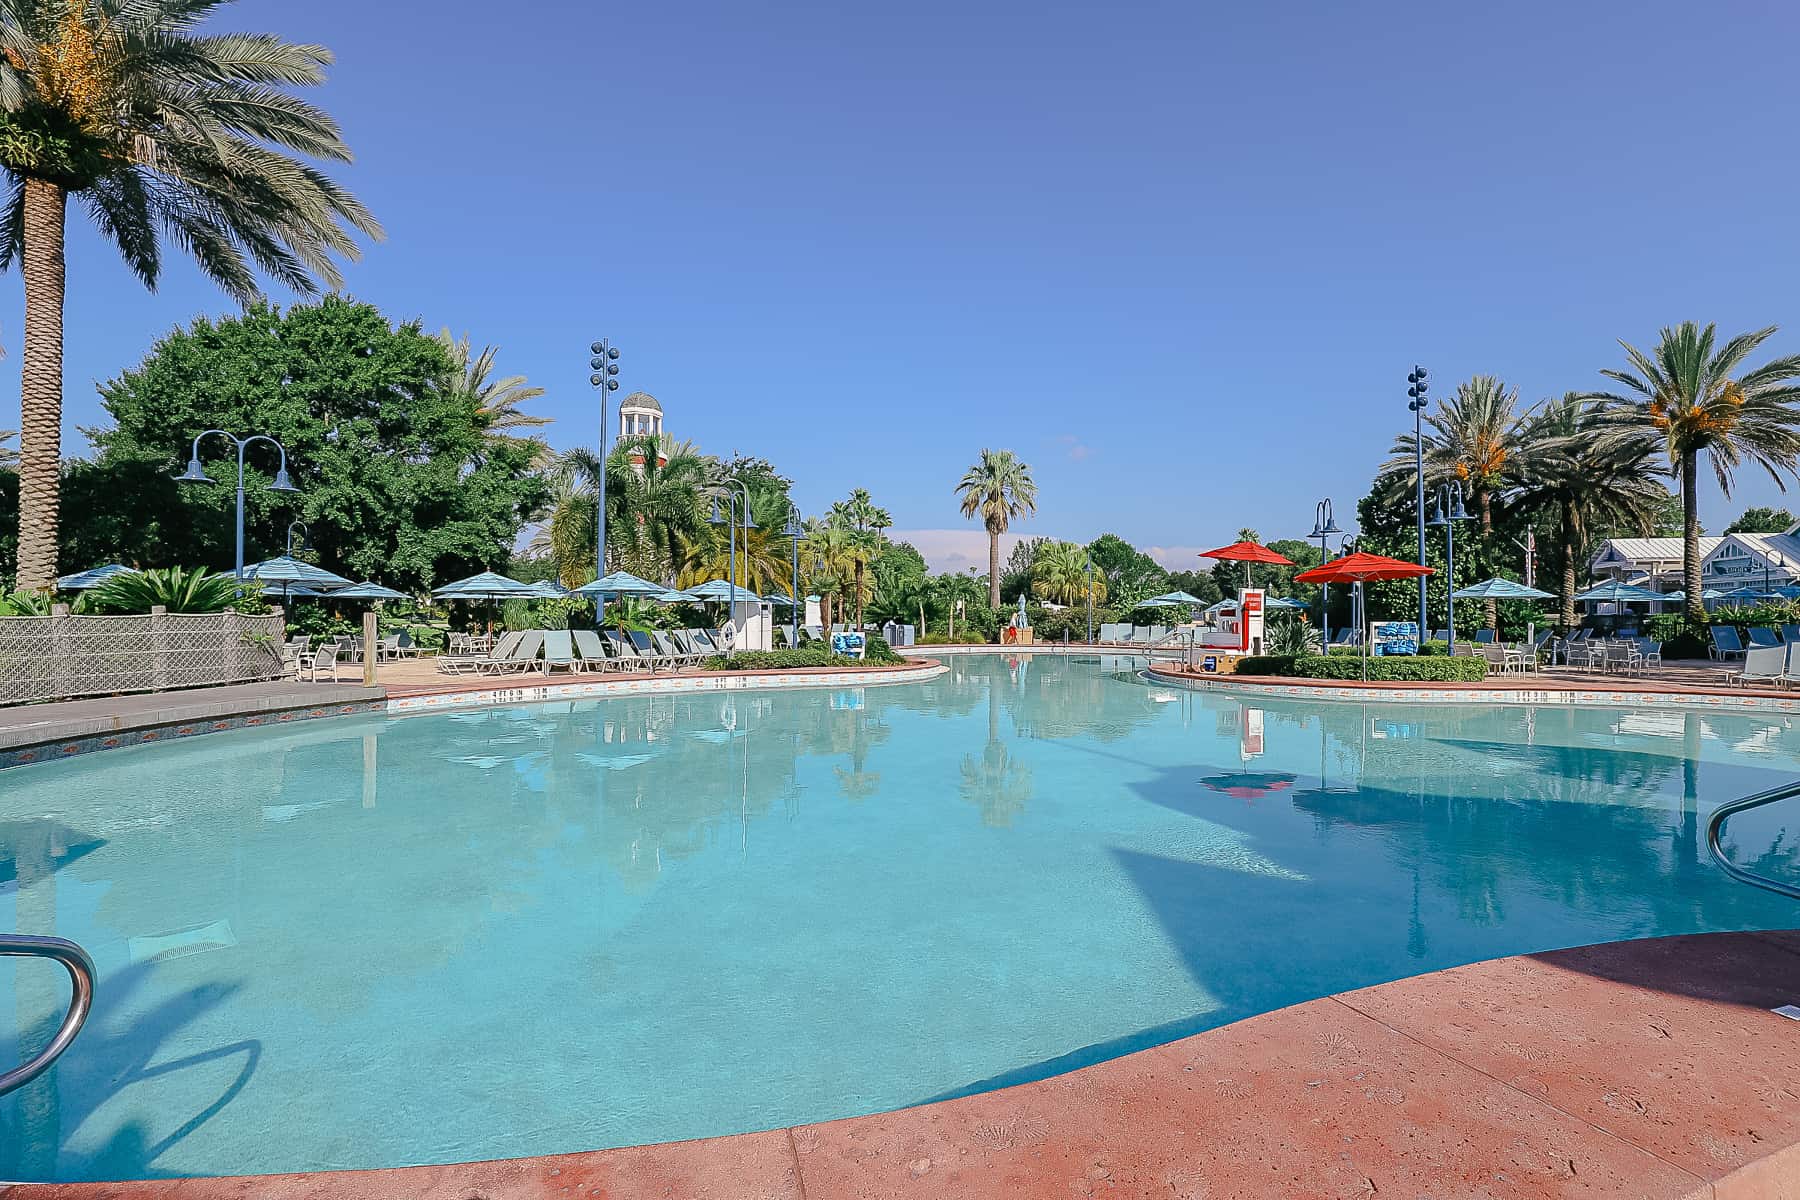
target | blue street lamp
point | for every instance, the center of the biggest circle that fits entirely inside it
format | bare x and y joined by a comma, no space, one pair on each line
731,537
794,531
605,379
1325,528
1419,382
1446,510
195,474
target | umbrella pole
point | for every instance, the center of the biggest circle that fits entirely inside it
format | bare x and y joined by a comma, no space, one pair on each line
1361,603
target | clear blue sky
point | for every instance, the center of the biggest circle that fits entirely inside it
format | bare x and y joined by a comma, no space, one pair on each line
1178,257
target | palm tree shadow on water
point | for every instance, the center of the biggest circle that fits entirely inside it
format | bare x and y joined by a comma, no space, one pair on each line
114,1052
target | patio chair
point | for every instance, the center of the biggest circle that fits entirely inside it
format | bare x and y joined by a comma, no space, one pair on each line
469,663
648,651
593,651
1762,664
626,653
1790,667
1343,637
559,651
1484,637
703,642
689,640
388,648
1650,652
1620,656
1725,643
293,651
678,655
523,657
1762,635
1790,633
322,660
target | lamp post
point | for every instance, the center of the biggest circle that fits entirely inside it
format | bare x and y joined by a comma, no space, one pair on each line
794,530
1418,383
305,539
1089,569
731,536
1446,510
1325,528
605,379
195,474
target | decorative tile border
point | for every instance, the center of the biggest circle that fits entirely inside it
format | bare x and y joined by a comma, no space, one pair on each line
26,755
1534,696
667,685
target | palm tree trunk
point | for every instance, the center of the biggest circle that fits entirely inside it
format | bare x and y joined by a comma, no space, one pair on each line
1690,534
1571,546
859,594
40,390
993,567
1487,532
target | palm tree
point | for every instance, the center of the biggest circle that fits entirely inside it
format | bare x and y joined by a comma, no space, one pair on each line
761,554
999,487
164,133
9,458
1060,574
1574,462
1692,397
1473,439
825,550
655,506
863,520
496,401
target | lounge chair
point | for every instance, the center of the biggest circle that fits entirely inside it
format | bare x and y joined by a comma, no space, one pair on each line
648,652
689,640
677,654
523,657
702,641
1649,652
592,651
1762,664
1790,633
559,651
1762,635
1484,637
1725,643
1790,667
626,654
468,663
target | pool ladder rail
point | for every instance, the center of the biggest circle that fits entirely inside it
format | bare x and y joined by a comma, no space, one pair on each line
1715,829
80,967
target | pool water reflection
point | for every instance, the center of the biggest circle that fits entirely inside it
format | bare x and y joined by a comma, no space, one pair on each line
374,942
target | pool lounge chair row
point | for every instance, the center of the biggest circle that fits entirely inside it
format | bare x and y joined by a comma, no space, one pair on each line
1726,644
1769,666
585,650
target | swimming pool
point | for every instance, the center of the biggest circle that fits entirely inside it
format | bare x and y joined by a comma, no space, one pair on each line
373,942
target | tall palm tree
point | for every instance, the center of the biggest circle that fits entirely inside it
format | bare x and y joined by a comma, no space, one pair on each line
1694,397
1574,461
1000,488
761,558
163,132
1472,439
825,552
655,506
863,520
1059,573
496,400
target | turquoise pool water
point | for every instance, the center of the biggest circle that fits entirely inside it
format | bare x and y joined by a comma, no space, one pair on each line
371,942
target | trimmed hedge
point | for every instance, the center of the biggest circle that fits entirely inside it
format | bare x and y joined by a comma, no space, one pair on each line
1422,669
876,653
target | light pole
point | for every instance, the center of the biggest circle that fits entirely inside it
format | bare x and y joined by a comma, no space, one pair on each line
1446,510
731,536
1090,599
1324,528
305,540
281,483
605,379
794,530
1419,382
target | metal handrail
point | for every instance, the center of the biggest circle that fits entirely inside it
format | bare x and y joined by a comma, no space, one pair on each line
80,967
1715,828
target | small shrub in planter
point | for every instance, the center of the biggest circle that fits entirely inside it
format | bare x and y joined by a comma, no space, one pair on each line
1420,669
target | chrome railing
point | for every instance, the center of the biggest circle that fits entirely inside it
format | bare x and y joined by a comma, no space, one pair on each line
80,967
1715,829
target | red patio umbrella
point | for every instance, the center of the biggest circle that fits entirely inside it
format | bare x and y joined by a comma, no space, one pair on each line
1247,553
1359,568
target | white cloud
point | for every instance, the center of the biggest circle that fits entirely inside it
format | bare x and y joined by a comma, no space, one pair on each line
1076,448
1179,558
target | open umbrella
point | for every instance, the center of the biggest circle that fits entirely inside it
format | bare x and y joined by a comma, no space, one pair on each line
549,589
1360,568
672,596
1615,592
621,583
367,590
488,585
286,571
1247,553
1170,599
92,577
1499,589
718,589
1283,602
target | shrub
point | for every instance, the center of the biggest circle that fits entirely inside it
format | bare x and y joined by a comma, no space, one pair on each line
177,589
876,652
1072,623
1680,637
1288,633
1420,669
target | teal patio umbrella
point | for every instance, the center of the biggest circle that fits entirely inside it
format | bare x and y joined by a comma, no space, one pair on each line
1500,589
620,583
93,577
367,590
1614,592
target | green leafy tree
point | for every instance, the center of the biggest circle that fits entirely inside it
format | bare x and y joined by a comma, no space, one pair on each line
164,133
397,480
1060,574
900,592
1130,573
1586,479
1691,397
999,487
862,519
1762,520
1015,572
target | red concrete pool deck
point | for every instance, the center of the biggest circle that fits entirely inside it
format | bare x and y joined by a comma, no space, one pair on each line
1642,1070
420,676
1681,680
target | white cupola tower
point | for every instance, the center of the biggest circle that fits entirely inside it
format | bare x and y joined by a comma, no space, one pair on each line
641,416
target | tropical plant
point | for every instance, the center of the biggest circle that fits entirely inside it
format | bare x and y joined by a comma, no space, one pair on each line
656,506
9,457
1288,632
1691,397
30,604
827,558
863,520
999,487
762,557
177,589
496,401
163,132
1573,466
1063,574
